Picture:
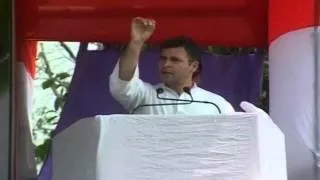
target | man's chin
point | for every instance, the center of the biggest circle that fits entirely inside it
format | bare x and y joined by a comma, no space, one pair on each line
168,82
167,79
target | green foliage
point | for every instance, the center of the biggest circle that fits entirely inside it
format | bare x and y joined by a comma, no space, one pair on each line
47,116
48,83
42,150
5,44
5,24
62,76
264,96
4,75
44,127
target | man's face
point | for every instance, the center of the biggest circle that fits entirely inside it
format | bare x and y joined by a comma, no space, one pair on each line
175,66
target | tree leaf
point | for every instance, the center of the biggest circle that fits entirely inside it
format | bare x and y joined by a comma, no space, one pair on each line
58,103
62,75
48,83
49,120
42,150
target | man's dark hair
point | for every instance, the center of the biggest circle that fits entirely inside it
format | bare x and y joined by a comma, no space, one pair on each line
189,45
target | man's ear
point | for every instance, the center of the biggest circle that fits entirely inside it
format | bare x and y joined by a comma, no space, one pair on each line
195,66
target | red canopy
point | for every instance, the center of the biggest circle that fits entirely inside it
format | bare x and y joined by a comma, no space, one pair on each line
220,22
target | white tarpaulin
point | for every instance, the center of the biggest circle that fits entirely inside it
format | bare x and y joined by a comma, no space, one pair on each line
294,96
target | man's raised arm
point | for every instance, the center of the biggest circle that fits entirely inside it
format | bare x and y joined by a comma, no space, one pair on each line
125,85
128,61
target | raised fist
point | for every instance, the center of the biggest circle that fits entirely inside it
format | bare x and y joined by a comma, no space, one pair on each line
142,29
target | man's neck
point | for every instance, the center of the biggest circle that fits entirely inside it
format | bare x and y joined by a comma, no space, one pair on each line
179,88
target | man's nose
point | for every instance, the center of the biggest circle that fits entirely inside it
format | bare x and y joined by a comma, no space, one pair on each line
166,63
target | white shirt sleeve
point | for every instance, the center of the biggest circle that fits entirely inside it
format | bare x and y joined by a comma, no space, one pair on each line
226,108
224,105
131,93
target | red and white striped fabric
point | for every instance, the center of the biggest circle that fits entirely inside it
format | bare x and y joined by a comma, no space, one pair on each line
24,76
293,76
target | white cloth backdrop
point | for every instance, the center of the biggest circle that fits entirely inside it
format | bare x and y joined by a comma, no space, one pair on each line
292,99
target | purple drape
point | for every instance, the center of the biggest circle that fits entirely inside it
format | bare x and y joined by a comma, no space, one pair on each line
237,78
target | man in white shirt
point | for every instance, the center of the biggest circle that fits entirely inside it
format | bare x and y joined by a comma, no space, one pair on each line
179,67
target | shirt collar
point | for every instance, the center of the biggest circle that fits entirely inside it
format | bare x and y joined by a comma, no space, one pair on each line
194,87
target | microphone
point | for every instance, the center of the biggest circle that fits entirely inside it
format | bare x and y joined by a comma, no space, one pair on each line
187,90
159,91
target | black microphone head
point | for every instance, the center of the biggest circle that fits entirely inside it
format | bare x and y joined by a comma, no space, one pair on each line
160,90
187,90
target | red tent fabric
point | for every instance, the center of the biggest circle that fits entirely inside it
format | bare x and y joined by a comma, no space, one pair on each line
228,23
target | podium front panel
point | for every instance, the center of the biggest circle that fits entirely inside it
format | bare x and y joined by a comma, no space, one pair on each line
140,147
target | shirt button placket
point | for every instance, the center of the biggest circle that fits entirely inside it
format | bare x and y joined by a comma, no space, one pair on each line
181,106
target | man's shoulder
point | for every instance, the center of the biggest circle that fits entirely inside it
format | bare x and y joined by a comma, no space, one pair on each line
218,99
150,86
207,93
210,96
156,86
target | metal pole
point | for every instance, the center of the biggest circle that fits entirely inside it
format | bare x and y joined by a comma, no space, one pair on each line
12,124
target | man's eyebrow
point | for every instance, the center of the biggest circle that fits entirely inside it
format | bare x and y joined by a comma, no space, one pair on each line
175,58
172,57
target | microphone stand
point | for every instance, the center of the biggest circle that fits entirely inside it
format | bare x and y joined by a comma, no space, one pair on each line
184,101
187,90
163,104
159,91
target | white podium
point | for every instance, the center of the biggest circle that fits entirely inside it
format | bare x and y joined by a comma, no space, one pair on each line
146,147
